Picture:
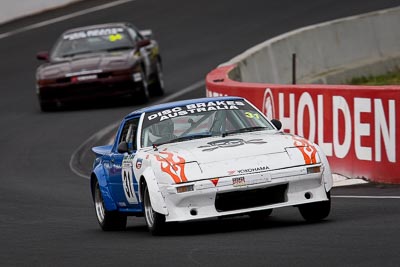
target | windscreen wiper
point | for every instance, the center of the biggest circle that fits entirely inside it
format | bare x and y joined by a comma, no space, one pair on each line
244,130
77,53
190,137
182,138
119,48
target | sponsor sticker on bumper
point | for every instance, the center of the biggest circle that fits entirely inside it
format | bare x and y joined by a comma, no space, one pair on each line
84,78
238,181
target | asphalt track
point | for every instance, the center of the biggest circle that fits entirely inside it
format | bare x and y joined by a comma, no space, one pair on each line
46,214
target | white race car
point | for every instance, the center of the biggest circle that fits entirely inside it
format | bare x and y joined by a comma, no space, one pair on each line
204,158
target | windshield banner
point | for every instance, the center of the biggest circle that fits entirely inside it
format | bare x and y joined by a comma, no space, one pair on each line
195,108
92,33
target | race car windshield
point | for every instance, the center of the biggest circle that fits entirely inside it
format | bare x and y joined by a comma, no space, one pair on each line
92,41
200,120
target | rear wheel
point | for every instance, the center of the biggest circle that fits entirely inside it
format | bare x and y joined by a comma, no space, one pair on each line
157,87
155,221
142,95
108,220
316,211
46,106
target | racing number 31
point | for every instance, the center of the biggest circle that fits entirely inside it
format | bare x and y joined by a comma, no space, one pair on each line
252,115
127,182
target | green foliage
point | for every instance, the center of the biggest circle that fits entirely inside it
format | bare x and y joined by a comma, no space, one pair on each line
391,78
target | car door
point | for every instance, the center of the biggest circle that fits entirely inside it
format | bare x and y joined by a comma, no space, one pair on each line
124,186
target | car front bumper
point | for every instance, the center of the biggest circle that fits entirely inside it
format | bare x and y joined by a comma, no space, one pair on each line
259,191
96,89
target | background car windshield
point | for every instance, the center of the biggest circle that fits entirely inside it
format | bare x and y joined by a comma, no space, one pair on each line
199,120
89,41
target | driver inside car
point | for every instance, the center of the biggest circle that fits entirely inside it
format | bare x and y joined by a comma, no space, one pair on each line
162,132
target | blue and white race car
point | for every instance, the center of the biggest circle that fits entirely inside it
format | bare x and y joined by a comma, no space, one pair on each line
205,158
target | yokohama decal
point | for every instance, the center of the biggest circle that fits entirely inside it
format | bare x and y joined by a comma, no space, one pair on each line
173,165
307,149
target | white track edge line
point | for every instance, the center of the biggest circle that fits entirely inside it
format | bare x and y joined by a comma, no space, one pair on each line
65,17
94,136
367,197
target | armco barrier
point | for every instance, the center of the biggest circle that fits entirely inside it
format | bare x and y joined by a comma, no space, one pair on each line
356,126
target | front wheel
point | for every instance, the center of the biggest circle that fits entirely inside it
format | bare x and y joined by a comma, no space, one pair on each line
155,221
317,211
108,220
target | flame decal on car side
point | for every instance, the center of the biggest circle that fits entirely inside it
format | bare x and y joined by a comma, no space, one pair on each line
307,149
173,165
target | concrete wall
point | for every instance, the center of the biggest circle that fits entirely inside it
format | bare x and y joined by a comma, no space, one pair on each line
14,9
331,52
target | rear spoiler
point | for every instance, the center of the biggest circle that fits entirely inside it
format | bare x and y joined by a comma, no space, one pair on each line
102,150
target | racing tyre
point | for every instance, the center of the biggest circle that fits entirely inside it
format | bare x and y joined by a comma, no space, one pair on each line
157,87
108,220
46,106
143,95
155,221
317,211
259,216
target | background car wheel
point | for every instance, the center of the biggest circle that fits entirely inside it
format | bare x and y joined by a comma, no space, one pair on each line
46,106
143,95
157,87
317,211
259,216
108,220
155,221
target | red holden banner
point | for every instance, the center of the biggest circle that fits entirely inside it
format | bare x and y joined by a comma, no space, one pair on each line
355,126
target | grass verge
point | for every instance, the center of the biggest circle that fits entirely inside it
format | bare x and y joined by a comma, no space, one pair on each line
391,78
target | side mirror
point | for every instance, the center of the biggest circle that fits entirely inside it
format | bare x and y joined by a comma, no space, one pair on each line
143,43
277,124
44,55
123,147
148,34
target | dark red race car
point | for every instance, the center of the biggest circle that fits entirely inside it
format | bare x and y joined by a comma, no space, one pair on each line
101,61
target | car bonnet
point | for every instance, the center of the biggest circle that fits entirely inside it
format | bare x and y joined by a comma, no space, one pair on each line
239,154
87,64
